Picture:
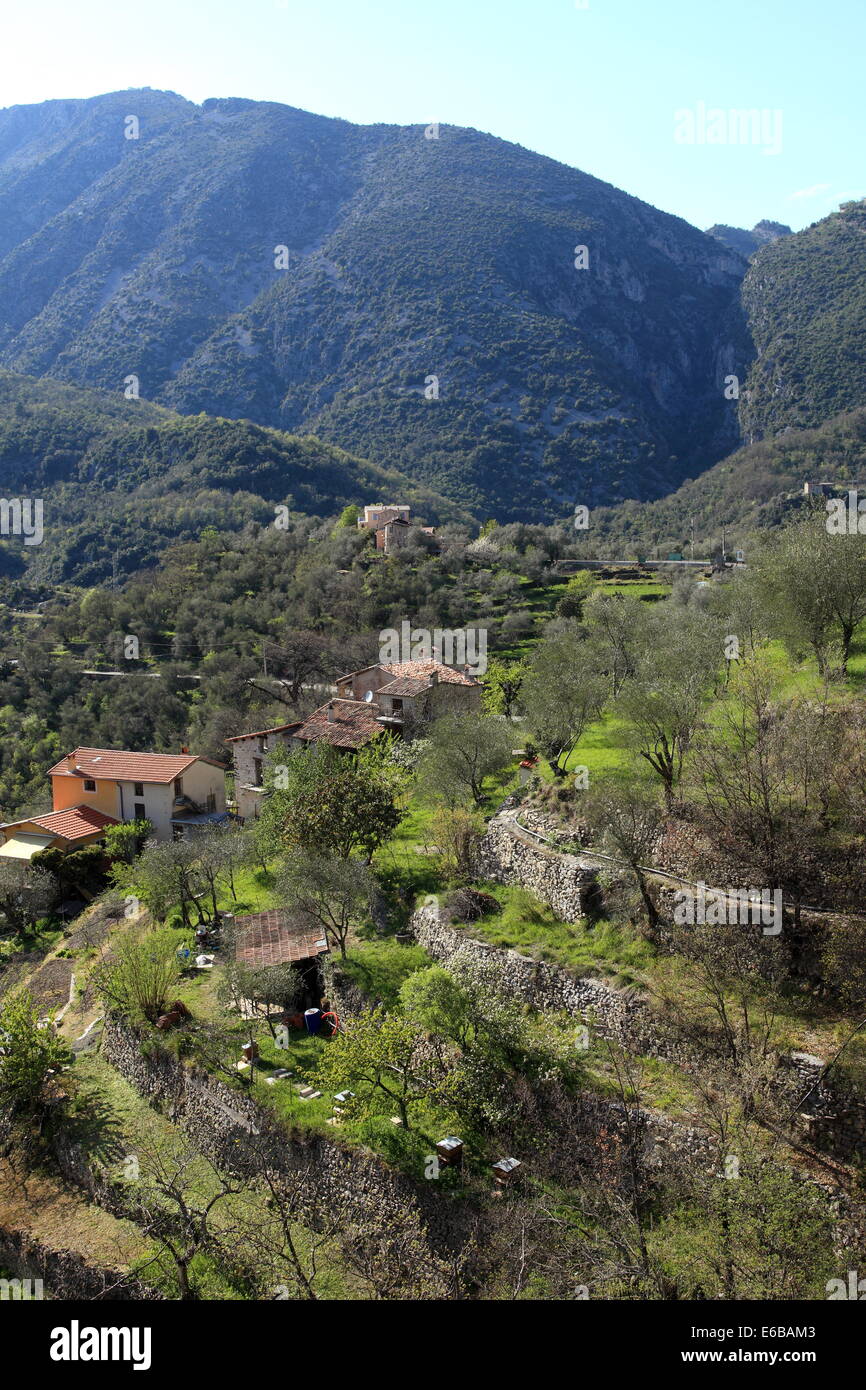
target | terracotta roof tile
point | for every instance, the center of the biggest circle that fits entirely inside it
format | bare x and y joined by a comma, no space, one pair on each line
353,723
449,675
404,685
75,823
277,936
116,764
419,670
263,733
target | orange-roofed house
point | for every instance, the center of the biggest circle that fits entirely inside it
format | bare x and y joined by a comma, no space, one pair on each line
175,792
66,830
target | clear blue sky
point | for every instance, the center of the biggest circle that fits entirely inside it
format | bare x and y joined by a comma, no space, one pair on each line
596,88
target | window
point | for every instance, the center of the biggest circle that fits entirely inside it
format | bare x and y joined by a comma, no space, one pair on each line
138,789
257,771
139,810
89,785
211,802
178,788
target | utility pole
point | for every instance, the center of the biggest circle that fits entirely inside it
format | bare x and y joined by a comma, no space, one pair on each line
724,545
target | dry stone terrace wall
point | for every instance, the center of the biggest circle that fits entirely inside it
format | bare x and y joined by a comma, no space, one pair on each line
509,854
833,1119
220,1122
65,1275
619,1015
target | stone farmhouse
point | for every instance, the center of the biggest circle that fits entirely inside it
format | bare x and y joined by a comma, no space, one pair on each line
400,696
409,694
93,788
392,525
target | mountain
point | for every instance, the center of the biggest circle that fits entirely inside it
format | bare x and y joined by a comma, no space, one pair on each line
122,479
747,243
407,258
757,487
805,296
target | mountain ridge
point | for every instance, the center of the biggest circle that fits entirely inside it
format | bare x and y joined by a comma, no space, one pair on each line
406,259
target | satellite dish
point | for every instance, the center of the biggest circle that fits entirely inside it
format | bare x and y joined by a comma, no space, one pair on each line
369,697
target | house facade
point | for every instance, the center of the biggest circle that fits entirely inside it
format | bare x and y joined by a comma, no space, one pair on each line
392,525
249,752
346,724
409,694
175,792
399,696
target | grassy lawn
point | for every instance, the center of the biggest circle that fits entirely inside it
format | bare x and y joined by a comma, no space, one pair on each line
603,749
379,966
256,892
409,860
63,1220
407,1150
529,926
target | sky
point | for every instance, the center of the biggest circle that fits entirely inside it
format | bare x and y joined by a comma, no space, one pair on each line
644,94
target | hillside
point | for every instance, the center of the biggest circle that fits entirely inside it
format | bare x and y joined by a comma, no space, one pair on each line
406,258
120,480
746,243
805,296
756,488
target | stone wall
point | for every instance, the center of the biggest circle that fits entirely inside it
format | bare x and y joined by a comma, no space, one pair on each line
831,1118
510,854
345,996
220,1122
621,1015
65,1274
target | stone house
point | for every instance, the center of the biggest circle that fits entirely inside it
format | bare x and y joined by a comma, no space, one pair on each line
399,696
249,752
410,694
392,525
346,724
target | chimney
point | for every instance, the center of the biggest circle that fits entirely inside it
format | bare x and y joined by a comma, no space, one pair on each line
70,761
330,714
434,677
